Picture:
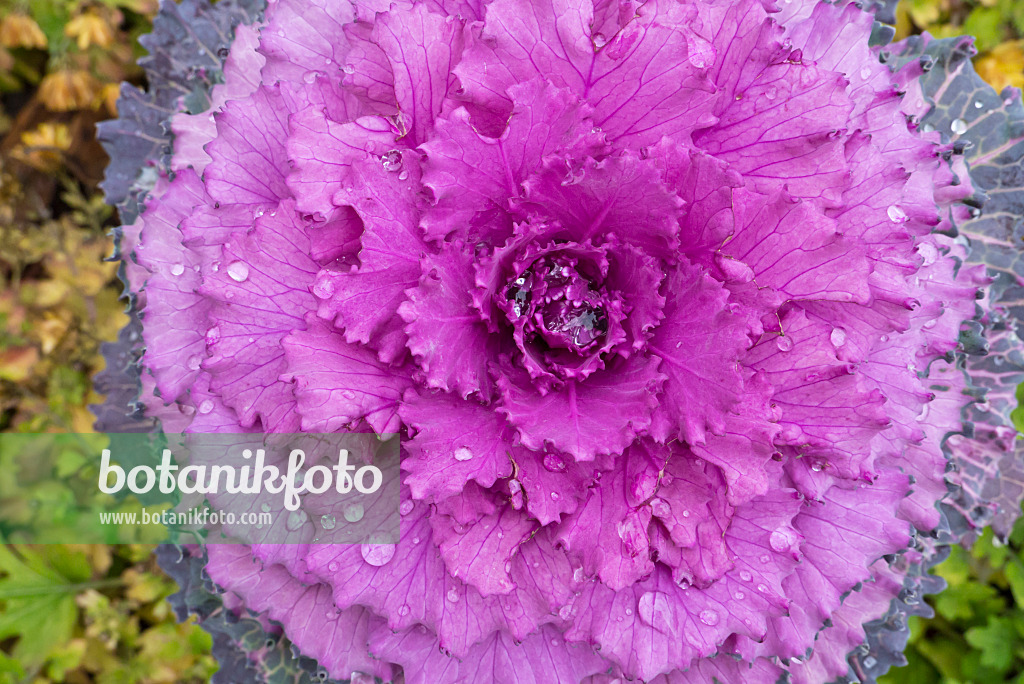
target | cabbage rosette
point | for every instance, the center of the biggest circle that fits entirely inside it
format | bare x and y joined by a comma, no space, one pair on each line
660,295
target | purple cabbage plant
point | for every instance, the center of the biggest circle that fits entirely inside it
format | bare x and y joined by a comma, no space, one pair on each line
666,299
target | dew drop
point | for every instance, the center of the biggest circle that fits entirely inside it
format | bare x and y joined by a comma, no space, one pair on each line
838,337
958,126
177,270
406,507
784,343
978,104
655,610
577,575
870,662
238,271
403,610
928,253
660,508
771,93
353,512
328,521
377,555
392,160
765,558
463,454
599,40
927,128
865,73
554,463
296,519
324,286
415,541
739,596
348,69
194,362
896,214
453,595
265,507
745,575
205,406
213,335
709,617
403,176
333,566
763,588
782,539
554,496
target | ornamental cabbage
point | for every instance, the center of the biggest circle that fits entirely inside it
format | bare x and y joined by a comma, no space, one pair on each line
660,295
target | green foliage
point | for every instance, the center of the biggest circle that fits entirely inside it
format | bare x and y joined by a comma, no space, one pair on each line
977,635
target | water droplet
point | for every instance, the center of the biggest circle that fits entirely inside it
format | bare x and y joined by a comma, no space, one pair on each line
403,609
709,617
415,540
392,160
745,575
928,253
296,519
554,496
978,104
629,611
194,362
784,343
958,126
654,609
660,508
406,507
177,270
896,214
782,539
348,69
377,555
333,566
739,596
354,512
870,662
599,40
403,176
213,335
554,463
324,286
838,337
763,588
206,406
577,575
453,595
771,93
865,73
765,558
238,271
265,507
463,454
328,521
